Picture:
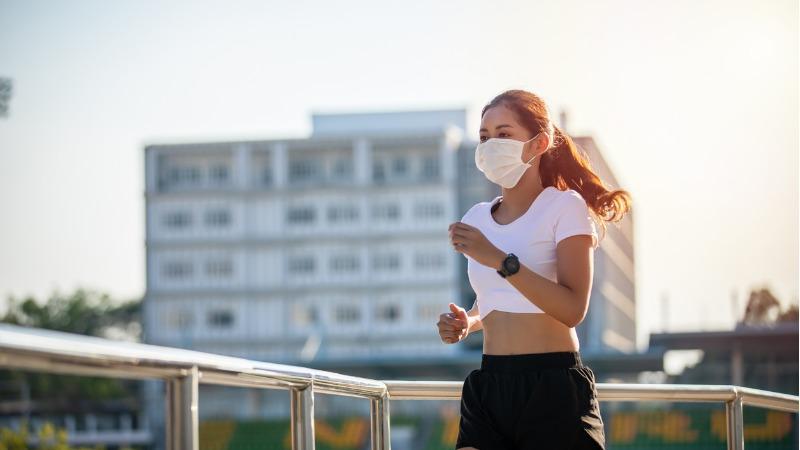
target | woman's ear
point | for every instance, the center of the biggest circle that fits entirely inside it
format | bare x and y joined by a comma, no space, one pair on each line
549,141
537,145
545,143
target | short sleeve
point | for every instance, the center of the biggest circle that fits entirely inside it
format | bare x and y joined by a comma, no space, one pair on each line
467,218
574,218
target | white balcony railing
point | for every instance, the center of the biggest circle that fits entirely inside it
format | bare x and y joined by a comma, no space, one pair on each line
183,370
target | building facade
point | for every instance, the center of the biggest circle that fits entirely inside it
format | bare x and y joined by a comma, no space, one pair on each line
294,250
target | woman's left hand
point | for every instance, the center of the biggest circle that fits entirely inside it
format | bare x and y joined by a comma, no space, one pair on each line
470,241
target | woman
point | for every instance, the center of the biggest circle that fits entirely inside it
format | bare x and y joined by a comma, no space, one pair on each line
530,261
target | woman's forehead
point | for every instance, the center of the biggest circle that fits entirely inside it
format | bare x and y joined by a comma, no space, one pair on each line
498,115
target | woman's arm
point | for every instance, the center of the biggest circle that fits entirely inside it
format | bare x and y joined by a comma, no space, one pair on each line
568,299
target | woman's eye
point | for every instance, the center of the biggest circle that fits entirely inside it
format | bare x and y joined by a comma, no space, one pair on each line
503,134
483,138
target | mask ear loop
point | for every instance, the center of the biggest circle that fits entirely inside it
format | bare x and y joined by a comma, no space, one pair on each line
529,140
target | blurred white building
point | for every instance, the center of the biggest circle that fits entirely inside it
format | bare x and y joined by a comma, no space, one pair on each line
292,250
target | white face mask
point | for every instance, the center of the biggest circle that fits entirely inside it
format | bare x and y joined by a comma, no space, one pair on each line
501,160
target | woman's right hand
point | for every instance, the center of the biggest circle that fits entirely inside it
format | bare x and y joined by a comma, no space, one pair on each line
454,325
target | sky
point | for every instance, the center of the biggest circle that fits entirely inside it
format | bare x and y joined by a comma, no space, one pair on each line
694,105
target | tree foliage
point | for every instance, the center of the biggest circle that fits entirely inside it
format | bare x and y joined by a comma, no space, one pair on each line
82,312
763,308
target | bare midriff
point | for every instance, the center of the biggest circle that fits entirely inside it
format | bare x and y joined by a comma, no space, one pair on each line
506,333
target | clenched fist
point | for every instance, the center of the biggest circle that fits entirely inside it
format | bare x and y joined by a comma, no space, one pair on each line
453,326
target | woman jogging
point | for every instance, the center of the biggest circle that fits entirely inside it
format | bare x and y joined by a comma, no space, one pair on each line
530,261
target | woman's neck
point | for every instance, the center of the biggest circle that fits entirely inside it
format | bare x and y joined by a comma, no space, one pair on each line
519,198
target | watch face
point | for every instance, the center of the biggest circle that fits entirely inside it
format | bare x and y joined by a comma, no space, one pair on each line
511,263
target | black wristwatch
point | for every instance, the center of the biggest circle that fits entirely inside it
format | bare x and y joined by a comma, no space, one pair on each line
510,266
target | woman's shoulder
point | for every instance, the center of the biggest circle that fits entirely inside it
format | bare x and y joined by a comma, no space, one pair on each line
474,209
570,195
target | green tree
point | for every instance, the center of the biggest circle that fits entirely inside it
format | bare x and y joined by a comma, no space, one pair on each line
83,312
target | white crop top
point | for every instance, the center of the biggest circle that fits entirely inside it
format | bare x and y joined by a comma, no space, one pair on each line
553,216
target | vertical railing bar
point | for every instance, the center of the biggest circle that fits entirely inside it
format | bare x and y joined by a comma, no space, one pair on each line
735,422
191,398
380,432
182,424
302,420
374,426
172,417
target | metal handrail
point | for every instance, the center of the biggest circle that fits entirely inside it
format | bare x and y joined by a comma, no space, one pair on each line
183,370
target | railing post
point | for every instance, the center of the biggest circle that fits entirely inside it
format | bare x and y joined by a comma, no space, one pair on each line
302,421
379,420
735,422
181,426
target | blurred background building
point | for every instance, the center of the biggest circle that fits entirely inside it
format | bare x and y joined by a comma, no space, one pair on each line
323,248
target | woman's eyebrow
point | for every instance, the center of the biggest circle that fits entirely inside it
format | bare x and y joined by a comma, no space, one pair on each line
497,127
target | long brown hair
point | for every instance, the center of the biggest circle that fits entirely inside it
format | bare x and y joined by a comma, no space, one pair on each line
564,165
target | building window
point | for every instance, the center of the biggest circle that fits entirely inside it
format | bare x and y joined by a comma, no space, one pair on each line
399,166
304,315
192,175
220,318
429,260
301,170
348,314
174,175
342,169
344,263
378,173
218,218
184,175
303,214
386,211
180,319
266,176
177,269
301,264
430,167
219,268
219,173
342,213
386,261
178,219
388,313
428,210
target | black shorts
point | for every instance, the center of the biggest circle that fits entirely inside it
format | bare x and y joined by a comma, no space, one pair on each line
544,401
